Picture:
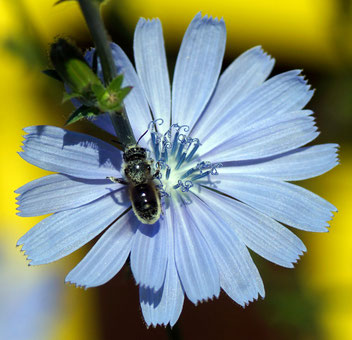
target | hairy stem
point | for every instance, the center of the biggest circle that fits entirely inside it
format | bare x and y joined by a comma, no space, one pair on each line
91,13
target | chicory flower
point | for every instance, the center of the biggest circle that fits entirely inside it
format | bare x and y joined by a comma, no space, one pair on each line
226,148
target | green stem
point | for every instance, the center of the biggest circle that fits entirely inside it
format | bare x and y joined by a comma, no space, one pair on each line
91,13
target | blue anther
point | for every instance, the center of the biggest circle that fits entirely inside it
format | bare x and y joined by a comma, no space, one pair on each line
191,154
175,143
181,160
201,175
164,154
179,183
168,171
180,150
188,173
203,166
155,143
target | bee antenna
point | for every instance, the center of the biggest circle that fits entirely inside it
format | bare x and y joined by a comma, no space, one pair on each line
142,136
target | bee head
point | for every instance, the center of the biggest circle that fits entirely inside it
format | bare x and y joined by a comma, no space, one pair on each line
135,153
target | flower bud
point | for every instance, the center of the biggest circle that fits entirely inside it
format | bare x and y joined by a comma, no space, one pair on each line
71,67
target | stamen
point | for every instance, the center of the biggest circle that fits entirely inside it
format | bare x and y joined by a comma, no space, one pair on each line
175,144
184,186
168,172
214,170
154,123
171,150
155,144
194,150
201,175
164,153
188,173
163,165
180,161
203,166
182,139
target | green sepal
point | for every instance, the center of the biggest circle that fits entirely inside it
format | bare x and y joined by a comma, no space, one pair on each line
111,98
115,84
81,113
99,91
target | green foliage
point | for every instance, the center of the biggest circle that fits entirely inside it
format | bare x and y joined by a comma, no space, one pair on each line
111,98
83,84
81,113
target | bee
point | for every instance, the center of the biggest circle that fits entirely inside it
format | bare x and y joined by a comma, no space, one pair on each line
143,193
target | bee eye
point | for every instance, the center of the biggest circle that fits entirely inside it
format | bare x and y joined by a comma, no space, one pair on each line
148,167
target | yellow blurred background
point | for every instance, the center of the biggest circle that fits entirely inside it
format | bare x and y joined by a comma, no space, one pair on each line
311,302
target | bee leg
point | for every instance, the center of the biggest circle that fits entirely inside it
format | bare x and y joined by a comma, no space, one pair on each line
117,180
156,174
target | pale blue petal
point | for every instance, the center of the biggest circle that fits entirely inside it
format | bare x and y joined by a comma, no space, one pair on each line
246,73
195,262
259,232
295,165
264,142
55,193
164,306
62,233
197,68
273,101
136,104
149,254
285,202
71,153
151,65
103,121
107,256
239,277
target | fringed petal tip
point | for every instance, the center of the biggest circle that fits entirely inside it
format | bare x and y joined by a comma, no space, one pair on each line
152,324
261,53
26,255
76,285
143,21
298,258
203,300
207,17
259,295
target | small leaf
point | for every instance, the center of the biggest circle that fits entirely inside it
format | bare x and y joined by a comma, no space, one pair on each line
111,101
81,113
68,96
124,92
52,74
115,84
99,91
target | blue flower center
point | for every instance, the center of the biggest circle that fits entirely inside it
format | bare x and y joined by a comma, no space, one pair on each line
175,156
